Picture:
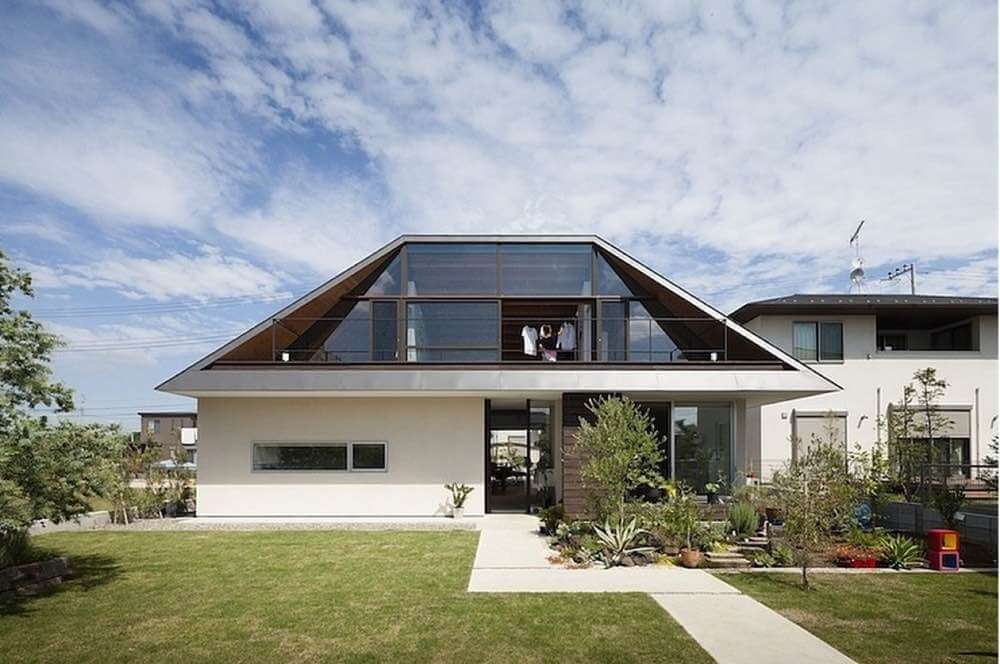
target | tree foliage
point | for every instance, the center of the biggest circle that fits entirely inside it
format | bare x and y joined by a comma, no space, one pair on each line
818,496
46,470
621,451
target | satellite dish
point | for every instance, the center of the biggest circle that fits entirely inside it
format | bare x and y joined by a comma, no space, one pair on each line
857,274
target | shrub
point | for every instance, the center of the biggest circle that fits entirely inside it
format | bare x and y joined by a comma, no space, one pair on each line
899,551
948,501
551,517
762,558
619,540
15,548
742,518
783,555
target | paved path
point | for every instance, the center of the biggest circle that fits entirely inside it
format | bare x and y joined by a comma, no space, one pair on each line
730,626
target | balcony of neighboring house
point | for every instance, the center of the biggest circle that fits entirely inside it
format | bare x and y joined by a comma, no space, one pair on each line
515,304
918,332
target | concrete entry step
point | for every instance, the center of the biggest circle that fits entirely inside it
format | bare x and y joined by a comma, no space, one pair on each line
725,559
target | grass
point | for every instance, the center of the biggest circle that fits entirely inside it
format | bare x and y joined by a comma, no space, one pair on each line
314,596
882,618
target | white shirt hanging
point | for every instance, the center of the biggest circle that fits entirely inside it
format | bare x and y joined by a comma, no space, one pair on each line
530,337
567,337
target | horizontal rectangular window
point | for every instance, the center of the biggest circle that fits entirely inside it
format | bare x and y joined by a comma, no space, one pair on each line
305,456
357,456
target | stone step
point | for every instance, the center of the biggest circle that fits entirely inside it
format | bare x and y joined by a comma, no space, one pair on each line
749,548
725,560
721,555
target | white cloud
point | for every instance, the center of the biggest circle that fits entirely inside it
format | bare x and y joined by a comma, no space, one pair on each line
205,276
756,135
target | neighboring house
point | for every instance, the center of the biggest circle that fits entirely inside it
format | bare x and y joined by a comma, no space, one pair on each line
871,345
470,359
174,432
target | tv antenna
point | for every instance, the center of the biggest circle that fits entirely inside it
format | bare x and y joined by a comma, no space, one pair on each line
857,265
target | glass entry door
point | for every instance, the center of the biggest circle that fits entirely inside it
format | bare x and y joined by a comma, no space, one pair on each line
520,464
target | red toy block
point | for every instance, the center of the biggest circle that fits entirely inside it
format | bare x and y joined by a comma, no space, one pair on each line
942,539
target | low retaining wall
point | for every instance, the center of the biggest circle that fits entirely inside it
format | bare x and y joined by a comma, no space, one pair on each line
86,521
973,526
33,577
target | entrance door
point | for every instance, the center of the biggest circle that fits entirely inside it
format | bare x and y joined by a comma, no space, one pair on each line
519,455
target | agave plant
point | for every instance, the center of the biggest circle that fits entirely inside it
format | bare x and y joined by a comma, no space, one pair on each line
899,551
617,540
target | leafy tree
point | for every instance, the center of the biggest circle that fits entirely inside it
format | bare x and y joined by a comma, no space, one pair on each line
914,425
46,471
990,476
818,496
621,451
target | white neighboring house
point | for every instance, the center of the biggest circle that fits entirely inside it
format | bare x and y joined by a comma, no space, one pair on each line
871,345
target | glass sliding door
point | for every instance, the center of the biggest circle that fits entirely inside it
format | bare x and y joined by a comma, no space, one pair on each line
542,486
508,461
703,437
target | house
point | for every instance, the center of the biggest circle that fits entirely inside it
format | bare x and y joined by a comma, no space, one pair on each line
871,345
175,433
471,359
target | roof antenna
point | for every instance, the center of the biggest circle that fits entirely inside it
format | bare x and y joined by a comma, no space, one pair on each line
857,265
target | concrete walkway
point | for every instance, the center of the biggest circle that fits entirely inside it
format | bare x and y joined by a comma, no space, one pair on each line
730,626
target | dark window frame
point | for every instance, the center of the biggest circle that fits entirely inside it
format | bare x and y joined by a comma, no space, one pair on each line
348,446
817,325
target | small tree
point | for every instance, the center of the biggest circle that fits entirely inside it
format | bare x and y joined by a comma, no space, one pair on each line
818,496
989,476
621,451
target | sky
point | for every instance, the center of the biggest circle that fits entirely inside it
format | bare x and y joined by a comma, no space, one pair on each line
174,171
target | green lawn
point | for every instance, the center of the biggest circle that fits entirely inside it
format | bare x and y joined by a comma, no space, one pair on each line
903,617
314,596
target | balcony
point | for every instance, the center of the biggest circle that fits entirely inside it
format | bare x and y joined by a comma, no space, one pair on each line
436,333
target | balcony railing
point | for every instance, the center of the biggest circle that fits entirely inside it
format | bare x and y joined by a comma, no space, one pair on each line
371,339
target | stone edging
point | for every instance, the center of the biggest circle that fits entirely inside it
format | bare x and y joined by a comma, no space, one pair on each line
33,577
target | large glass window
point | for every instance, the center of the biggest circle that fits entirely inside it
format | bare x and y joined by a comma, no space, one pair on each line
313,456
546,269
452,332
702,444
350,340
831,342
647,342
804,341
611,342
389,281
385,332
451,269
609,282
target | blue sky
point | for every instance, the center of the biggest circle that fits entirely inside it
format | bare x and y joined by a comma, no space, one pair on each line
175,170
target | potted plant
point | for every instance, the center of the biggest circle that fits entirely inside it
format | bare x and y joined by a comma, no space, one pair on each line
459,492
712,492
859,557
685,513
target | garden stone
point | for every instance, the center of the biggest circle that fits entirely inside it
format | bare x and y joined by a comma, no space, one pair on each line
627,561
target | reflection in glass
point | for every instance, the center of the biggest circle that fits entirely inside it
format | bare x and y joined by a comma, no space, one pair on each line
350,341
611,341
831,342
385,332
609,282
389,281
543,482
451,269
702,444
545,269
647,341
804,341
452,332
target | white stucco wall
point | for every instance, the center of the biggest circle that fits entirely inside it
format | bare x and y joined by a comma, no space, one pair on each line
431,441
871,381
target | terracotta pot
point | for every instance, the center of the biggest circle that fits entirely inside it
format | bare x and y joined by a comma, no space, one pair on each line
690,557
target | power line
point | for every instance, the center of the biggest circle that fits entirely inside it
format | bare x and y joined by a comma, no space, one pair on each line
151,308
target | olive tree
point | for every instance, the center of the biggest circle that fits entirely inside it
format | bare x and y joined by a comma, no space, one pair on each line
620,451
818,496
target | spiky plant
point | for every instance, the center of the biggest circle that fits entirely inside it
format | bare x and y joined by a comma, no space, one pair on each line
899,551
617,541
